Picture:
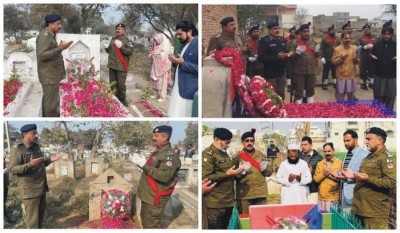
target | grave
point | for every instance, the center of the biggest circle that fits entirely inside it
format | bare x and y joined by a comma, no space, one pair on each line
95,166
216,94
83,46
108,180
64,167
187,175
24,63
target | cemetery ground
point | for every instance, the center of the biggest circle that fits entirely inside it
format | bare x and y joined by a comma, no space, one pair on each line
68,201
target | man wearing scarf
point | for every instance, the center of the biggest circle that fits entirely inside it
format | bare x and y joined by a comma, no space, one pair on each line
253,66
159,177
294,176
366,41
328,44
119,51
304,64
251,186
218,167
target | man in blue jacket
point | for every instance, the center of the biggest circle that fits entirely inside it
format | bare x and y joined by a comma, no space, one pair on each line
186,74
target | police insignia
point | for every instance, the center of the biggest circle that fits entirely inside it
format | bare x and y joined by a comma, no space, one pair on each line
390,165
169,163
205,159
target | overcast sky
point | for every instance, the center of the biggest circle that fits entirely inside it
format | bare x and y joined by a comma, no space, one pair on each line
364,11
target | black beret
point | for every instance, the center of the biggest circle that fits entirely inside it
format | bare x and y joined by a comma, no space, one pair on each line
292,28
377,131
305,26
163,129
223,134
388,23
254,27
52,18
297,31
28,127
227,20
272,24
366,26
331,27
249,134
121,25
346,25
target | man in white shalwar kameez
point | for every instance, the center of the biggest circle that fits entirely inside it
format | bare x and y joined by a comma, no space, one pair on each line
294,176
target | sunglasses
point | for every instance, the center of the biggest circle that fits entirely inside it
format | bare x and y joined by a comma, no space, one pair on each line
249,140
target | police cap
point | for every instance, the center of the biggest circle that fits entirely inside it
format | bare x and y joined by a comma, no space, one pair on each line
366,26
377,131
305,26
331,27
254,27
249,134
272,24
223,134
163,129
292,28
120,25
28,127
227,20
346,25
52,18
388,23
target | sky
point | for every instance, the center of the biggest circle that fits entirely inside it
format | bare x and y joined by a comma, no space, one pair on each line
178,132
364,11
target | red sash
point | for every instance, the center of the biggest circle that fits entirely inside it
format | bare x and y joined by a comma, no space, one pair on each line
154,186
121,58
329,37
367,39
287,39
253,46
247,158
308,50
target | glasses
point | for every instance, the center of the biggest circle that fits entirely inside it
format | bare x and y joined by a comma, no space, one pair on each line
249,140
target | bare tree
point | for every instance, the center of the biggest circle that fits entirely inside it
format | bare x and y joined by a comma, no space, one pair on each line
303,130
301,15
247,16
389,10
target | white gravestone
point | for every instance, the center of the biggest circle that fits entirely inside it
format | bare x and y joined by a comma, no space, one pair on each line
24,64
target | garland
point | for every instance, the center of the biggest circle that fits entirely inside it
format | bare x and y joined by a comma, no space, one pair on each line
237,71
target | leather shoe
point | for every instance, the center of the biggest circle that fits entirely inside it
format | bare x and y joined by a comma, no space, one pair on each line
364,86
324,87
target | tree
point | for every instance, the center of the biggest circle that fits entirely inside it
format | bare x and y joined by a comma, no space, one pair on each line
303,130
280,140
301,15
161,17
390,10
249,15
13,19
191,135
90,13
133,134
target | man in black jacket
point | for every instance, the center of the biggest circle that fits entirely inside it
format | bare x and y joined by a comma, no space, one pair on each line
384,56
312,157
272,52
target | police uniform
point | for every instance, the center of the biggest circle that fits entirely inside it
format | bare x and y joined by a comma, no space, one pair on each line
371,198
223,40
251,188
51,68
366,65
220,201
118,64
32,181
156,185
328,45
253,68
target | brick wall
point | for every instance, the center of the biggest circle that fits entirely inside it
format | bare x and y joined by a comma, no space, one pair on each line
211,16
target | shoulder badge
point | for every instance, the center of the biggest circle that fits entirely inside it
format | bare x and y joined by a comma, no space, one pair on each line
389,159
46,33
218,35
388,154
169,162
210,152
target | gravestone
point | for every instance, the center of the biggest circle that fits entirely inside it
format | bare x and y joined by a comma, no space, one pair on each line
32,43
24,64
83,46
64,167
94,166
108,180
216,94
187,175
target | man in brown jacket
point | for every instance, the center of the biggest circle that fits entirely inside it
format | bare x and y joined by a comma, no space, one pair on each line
251,186
304,64
50,64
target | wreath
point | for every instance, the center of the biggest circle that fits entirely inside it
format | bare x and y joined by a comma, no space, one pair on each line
115,204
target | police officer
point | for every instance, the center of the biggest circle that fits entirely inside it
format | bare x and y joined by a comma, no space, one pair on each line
218,167
374,181
366,66
304,64
251,186
253,66
50,64
293,32
29,165
227,38
328,44
346,28
159,177
119,51
273,54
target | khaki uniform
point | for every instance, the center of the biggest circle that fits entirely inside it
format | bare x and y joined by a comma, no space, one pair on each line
117,73
223,40
303,69
366,65
371,198
220,201
32,182
326,52
164,170
256,67
51,71
251,188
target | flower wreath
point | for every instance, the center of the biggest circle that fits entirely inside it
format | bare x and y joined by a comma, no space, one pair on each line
290,223
237,70
82,69
264,96
115,204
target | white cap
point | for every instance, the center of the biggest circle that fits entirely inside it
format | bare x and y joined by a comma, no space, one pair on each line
293,147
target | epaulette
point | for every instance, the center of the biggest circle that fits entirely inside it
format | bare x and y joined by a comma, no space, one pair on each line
210,152
46,33
21,145
217,36
388,154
